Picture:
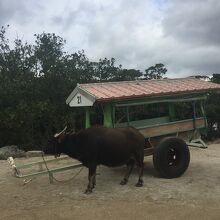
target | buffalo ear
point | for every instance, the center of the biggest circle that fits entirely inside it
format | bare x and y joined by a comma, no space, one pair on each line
61,137
72,131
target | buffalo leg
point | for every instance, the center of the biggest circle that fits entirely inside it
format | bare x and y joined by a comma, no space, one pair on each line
94,181
141,171
130,167
92,178
140,163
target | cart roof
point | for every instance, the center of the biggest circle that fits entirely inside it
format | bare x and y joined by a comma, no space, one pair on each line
127,90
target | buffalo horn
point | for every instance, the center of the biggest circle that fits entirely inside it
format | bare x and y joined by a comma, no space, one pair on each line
58,134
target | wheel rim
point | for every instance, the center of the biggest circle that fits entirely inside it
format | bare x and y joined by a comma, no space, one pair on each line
173,157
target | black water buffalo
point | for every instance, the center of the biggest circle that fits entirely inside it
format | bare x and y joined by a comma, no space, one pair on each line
107,146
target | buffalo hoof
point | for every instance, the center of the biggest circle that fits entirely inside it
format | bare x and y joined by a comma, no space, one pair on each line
124,182
88,191
139,184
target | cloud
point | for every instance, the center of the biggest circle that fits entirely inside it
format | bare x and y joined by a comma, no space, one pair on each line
194,28
194,22
184,35
13,11
125,30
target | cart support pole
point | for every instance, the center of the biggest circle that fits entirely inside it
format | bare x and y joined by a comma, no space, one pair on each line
108,116
194,115
88,123
172,114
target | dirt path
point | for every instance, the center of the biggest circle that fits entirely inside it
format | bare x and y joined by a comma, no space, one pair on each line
195,195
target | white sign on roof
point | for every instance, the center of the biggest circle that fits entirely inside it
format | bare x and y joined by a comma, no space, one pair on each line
80,100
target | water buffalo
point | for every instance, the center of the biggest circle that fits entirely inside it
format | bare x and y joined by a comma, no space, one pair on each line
107,146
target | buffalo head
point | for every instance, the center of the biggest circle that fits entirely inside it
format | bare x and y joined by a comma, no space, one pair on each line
55,144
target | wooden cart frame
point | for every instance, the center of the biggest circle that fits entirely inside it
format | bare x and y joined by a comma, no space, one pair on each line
156,128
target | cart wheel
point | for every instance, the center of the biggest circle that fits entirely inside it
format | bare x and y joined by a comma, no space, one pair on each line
171,157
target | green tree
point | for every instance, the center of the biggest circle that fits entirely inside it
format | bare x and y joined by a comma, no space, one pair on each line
213,110
35,80
104,70
127,74
201,77
16,80
52,81
215,77
155,72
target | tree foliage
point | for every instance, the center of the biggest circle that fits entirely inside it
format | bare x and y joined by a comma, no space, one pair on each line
35,80
213,111
155,72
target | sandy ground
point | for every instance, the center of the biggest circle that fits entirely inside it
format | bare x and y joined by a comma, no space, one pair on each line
195,195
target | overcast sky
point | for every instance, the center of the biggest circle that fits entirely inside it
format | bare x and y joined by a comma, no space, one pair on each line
182,34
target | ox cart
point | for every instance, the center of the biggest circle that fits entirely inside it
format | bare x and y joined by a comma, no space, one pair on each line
170,113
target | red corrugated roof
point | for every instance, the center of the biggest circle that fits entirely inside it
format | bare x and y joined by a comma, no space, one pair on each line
139,88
